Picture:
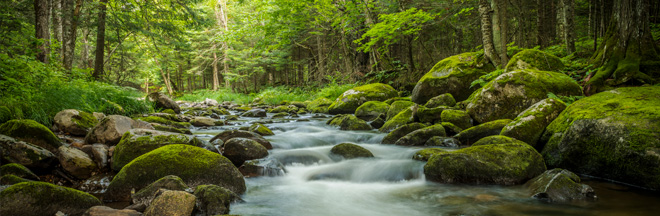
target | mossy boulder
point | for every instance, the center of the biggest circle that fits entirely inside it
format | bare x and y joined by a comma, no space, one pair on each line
427,153
350,151
239,150
32,132
255,113
111,128
282,109
495,139
351,99
613,135
15,151
206,122
378,122
17,170
166,128
146,194
319,105
169,202
459,118
214,200
530,124
404,117
535,60
280,115
452,75
473,134
348,122
161,120
501,164
163,102
196,166
371,110
75,122
136,142
396,107
41,198
441,100
261,129
451,128
420,136
395,99
107,211
11,179
228,134
399,132
76,162
511,93
430,115
559,185
442,141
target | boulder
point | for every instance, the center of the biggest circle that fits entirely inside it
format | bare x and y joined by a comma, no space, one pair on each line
452,75
255,113
163,102
404,117
166,128
261,129
214,200
107,211
451,129
459,118
41,198
228,134
319,105
239,150
11,179
395,99
14,151
495,139
529,125
473,134
445,99
110,130
371,110
513,92
534,60
427,153
441,141
194,165
399,132
146,194
350,151
175,203
430,115
210,102
99,116
98,152
31,132
136,142
396,107
559,185
18,170
351,99
420,136
348,122
171,121
378,122
612,135
262,167
75,122
501,164
205,121
76,162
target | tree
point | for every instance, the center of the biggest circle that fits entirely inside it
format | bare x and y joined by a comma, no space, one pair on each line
41,28
100,41
568,10
487,33
70,18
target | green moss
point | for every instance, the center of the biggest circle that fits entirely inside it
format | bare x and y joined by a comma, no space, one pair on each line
348,122
427,153
534,59
18,170
451,129
430,115
371,110
160,120
261,129
132,146
459,118
473,134
5,114
214,200
420,136
32,132
85,119
404,117
350,151
441,100
40,198
399,132
530,124
395,99
10,179
169,111
171,129
353,98
170,182
319,105
495,139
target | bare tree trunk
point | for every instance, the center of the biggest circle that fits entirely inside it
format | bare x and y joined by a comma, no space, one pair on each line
215,70
503,22
56,26
100,41
71,28
487,33
569,25
221,16
42,31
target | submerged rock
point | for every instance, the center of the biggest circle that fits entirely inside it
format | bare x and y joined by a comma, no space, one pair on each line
350,100
473,134
31,132
420,136
40,198
530,124
239,150
163,102
75,122
350,151
136,142
348,122
110,130
559,185
26,154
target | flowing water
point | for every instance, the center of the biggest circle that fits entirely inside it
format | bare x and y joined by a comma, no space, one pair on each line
318,183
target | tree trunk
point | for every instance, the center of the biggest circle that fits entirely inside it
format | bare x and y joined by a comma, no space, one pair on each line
569,26
100,41
487,32
215,70
628,53
500,30
56,26
42,12
69,35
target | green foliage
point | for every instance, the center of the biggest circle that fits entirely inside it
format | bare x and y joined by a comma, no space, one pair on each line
392,27
484,79
566,99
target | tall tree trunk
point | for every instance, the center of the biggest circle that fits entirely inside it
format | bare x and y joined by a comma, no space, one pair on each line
215,70
100,41
221,16
487,33
500,30
42,31
84,54
56,26
569,26
71,28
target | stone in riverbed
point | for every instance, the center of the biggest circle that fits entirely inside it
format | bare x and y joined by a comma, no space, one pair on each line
107,211
239,150
427,153
40,198
495,139
348,122
399,132
319,105
136,142
459,118
146,195
403,118
110,130
18,170
351,99
350,151
168,202
441,100
371,110
396,107
530,124
261,129
164,102
443,142
228,134
75,122
420,136
76,162
32,132
534,59
214,200
255,113
26,154
10,179
559,185
473,134
206,122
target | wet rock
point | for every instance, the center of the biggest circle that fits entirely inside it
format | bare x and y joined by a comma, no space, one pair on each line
348,122
75,122
26,154
399,132
378,122
319,105
457,117
451,129
136,142
404,117
280,115
76,162
166,128
206,121
214,200
426,154
350,100
107,211
239,150
165,121
255,113
210,102
146,194
534,60
396,107
559,185
40,198
163,102
530,124
473,134
262,167
110,130
495,139
261,129
443,142
228,134
97,183
31,132
420,136
194,165
446,100
371,110
18,170
179,203
430,115
350,151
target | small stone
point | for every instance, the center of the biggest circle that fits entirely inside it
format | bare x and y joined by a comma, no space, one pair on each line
174,203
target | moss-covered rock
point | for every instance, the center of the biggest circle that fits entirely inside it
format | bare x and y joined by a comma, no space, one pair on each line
443,142
136,142
451,129
196,166
452,75
502,164
459,118
169,202
404,117
171,129
239,150
473,134
535,60
32,132
282,109
396,107
41,198
111,128
11,179
14,151
371,110
378,122
146,194
441,100
228,134
495,139
511,93
163,102
76,162
214,200
75,122
319,105
559,185
350,100
530,124
107,211
169,111
255,113
399,132
613,135
348,122
430,115
350,151
206,122
261,129
280,115
161,120
420,136
395,99
18,170
427,153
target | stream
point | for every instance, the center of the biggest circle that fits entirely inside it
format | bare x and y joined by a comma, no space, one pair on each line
319,183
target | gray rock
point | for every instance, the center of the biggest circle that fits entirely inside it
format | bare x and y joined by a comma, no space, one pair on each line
239,150
111,128
228,134
559,185
26,154
164,102
74,122
214,200
76,162
107,211
255,113
170,202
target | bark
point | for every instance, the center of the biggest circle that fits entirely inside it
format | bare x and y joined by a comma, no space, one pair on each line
487,32
569,25
42,31
100,41
215,70
221,16
69,37
56,13
500,30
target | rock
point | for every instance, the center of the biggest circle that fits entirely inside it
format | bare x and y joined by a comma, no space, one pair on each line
75,122
206,121
255,113
530,124
350,100
261,129
396,107
40,198
395,99
511,93
348,122
214,200
194,165
281,109
457,117
452,75
612,135
110,130
430,115
495,139
534,60
175,203
371,110
403,118
11,179
502,164
99,153
280,115
473,134
228,134
451,129
163,102
262,167
5,114
171,129
99,116
76,162
239,150
97,184
559,185
420,136
446,100
378,122
14,151
161,120
136,142
210,102
146,194
107,211
319,105
31,132
427,153
443,142
399,132
18,170
350,151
